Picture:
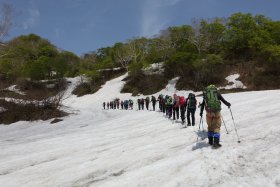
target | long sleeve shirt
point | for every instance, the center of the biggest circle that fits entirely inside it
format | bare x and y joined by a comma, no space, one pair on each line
220,97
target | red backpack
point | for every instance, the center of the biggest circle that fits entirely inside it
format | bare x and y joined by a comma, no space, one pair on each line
182,101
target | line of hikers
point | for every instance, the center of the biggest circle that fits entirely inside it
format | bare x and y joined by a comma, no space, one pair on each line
147,102
179,105
117,104
211,103
167,104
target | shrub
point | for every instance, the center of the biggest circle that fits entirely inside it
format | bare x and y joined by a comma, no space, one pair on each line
145,84
82,89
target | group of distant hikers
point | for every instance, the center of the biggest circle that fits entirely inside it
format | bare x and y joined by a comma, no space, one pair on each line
176,106
117,104
146,101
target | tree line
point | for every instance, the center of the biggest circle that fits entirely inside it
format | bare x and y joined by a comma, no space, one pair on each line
200,52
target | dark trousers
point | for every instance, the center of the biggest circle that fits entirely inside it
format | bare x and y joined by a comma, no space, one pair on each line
191,112
169,111
163,108
147,105
154,106
176,113
183,111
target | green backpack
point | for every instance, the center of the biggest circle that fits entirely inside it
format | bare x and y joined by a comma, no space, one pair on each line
191,101
210,96
169,100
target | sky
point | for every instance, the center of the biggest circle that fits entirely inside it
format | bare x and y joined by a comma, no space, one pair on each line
82,26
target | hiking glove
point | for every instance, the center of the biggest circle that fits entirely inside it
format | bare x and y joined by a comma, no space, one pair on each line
229,105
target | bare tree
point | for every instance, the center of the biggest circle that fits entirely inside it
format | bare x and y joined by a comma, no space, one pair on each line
206,33
137,49
133,51
6,16
122,56
197,36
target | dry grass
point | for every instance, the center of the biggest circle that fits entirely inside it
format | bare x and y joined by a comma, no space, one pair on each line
27,112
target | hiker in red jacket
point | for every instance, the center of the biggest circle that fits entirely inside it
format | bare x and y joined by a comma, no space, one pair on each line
182,103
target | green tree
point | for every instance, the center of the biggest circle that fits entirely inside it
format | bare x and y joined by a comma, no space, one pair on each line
246,35
38,69
71,61
274,30
207,70
25,54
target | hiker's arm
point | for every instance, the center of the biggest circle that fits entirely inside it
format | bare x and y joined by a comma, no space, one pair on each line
220,97
202,107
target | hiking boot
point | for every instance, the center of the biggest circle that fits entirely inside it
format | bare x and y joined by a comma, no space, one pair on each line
189,124
210,140
216,143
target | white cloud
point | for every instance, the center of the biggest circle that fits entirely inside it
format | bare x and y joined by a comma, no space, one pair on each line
153,19
32,20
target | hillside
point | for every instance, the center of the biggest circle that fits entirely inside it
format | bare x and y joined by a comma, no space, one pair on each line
96,147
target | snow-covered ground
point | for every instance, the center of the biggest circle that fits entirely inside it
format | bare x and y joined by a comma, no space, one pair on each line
234,83
14,89
96,147
2,109
156,68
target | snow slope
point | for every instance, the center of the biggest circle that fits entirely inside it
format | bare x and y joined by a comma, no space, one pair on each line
95,147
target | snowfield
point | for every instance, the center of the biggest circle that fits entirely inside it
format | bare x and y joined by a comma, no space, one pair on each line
117,148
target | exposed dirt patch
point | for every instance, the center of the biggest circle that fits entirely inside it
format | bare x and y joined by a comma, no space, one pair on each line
144,84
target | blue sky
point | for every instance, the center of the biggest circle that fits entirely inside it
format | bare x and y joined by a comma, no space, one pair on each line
81,26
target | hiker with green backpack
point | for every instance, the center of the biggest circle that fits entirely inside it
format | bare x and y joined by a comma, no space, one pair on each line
212,103
191,108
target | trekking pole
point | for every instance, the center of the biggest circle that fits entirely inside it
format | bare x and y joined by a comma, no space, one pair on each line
238,140
199,129
224,124
200,123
